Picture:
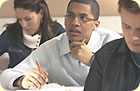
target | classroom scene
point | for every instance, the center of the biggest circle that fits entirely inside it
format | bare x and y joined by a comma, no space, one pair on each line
69,45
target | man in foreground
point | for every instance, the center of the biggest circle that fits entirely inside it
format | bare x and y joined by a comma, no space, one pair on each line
116,66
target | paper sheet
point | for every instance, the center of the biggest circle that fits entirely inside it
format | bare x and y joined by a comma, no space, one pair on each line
56,87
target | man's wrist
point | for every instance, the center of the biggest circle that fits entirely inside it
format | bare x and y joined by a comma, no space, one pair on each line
92,58
18,82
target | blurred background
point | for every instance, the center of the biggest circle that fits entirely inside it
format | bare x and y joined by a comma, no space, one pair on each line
109,16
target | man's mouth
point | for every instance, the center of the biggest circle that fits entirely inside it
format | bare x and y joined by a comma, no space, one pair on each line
135,44
74,32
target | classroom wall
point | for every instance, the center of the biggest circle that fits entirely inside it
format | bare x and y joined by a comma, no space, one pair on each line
58,8
109,15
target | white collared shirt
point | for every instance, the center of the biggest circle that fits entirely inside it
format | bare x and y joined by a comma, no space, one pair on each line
55,58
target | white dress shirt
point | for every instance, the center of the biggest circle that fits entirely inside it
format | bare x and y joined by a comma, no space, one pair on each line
55,58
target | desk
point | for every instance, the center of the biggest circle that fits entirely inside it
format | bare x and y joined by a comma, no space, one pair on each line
56,87
1,89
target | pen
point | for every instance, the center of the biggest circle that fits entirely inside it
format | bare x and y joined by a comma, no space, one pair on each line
39,67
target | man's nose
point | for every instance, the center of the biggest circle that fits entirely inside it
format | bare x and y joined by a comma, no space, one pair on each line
136,35
76,21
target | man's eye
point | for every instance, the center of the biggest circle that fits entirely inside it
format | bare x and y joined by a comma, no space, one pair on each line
127,27
83,17
71,16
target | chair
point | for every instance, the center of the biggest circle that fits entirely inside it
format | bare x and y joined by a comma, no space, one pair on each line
4,61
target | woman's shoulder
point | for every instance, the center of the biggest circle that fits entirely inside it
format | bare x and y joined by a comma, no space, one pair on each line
57,25
5,32
58,28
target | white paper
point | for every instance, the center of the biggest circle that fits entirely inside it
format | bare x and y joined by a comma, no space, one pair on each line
56,87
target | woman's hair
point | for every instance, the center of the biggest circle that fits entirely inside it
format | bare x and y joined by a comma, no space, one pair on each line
35,6
129,5
95,9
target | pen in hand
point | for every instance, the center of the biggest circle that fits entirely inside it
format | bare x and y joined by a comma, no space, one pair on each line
39,67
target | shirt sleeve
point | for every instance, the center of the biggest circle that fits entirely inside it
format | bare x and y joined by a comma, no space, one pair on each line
10,75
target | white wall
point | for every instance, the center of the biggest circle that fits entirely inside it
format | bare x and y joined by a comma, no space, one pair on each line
108,22
111,22
3,21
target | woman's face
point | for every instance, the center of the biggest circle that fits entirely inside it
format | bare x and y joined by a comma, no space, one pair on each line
29,20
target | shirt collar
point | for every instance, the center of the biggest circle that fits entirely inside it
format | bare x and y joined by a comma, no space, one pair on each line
64,44
95,42
124,50
123,46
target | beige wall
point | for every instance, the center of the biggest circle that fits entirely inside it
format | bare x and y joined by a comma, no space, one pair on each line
108,7
109,18
58,7
6,9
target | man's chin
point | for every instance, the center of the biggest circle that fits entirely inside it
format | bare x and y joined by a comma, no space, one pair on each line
135,50
75,40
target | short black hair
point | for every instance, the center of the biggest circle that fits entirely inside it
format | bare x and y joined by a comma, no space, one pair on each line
129,5
95,9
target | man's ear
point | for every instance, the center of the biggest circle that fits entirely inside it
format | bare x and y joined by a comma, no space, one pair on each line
97,23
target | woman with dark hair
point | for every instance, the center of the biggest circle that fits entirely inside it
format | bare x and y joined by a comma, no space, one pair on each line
33,27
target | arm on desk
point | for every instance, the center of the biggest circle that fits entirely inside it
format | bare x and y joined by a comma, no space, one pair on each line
34,78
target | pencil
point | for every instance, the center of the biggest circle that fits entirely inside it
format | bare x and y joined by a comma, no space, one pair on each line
39,67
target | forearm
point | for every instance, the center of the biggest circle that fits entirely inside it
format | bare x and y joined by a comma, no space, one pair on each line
7,78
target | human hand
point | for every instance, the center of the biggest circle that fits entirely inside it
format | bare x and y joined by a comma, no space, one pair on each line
34,79
80,51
